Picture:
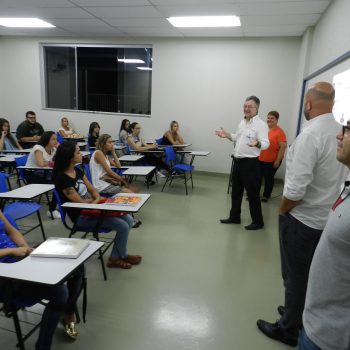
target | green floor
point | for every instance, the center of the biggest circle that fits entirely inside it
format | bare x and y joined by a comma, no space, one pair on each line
201,285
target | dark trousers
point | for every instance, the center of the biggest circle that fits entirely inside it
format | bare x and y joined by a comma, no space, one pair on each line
62,298
267,172
152,159
297,244
244,174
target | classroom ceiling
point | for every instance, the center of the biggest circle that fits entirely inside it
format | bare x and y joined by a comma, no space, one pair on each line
147,18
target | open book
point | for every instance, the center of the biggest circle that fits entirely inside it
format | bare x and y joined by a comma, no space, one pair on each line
55,247
124,200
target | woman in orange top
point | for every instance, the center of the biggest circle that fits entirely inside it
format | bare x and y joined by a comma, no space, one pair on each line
271,158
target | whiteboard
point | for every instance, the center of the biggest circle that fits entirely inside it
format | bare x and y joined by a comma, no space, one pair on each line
336,72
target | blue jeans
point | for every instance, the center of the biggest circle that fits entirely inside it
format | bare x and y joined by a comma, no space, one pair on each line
121,224
305,343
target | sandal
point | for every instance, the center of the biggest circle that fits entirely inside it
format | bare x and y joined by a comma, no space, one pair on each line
133,259
70,329
115,262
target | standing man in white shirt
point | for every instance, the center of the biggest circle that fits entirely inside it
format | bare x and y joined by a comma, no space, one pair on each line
312,182
250,138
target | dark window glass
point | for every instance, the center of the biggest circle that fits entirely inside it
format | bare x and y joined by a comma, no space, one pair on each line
108,82
60,77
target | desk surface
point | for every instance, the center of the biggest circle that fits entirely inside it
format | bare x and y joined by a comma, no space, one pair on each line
47,168
9,159
184,145
112,207
16,151
27,192
46,270
130,158
138,170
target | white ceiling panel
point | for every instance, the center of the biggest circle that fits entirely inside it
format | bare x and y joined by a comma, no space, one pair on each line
212,32
46,12
111,2
139,22
273,29
195,10
309,19
35,3
124,11
270,8
148,17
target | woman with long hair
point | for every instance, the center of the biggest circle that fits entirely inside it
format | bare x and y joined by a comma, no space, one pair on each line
94,133
73,186
7,140
42,155
124,130
136,143
173,136
104,179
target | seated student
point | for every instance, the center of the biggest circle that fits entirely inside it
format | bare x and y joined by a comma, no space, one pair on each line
73,186
172,136
62,297
7,140
42,155
138,144
94,133
29,130
124,130
104,179
67,131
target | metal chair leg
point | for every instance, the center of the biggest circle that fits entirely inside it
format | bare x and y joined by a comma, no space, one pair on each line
41,225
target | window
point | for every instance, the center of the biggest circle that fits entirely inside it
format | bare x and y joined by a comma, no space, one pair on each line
98,78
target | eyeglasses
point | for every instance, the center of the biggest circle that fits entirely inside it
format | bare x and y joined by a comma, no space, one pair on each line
32,117
249,107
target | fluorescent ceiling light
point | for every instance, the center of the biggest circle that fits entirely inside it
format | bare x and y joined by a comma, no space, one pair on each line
205,21
25,23
144,68
130,60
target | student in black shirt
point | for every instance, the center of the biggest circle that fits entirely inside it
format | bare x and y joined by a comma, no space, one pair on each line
29,130
73,186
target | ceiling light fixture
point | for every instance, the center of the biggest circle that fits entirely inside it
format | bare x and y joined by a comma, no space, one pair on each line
144,68
205,21
25,23
130,60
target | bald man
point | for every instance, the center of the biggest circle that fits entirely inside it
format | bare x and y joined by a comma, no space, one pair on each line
312,182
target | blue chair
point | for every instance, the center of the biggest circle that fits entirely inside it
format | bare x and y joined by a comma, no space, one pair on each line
60,138
87,171
20,210
159,141
95,233
178,170
21,174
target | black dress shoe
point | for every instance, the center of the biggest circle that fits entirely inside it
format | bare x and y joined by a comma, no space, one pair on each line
230,221
253,227
280,310
274,331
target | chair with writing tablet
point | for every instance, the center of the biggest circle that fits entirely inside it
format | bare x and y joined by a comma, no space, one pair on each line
73,228
178,170
19,210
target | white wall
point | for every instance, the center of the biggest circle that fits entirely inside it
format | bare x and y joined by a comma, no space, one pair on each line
331,36
201,83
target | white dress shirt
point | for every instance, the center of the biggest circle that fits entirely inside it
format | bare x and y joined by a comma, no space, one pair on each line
247,133
313,174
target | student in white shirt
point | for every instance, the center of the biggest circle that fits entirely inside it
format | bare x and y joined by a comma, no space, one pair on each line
250,138
65,130
312,182
42,155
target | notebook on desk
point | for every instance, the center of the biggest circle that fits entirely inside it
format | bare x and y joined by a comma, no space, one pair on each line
55,247
123,200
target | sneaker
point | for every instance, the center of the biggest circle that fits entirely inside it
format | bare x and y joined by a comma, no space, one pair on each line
71,330
55,214
137,223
